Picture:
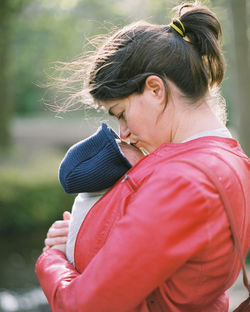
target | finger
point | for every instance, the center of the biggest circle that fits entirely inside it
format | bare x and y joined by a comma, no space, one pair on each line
61,224
66,215
53,232
61,247
49,242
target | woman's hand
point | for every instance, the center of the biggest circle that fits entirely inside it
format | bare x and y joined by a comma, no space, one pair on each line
58,233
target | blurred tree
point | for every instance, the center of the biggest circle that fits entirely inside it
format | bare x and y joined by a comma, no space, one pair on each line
4,113
8,9
49,31
242,70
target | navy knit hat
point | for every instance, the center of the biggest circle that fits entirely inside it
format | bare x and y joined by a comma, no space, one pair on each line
93,164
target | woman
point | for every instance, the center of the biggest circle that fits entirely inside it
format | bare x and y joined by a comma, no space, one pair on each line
159,240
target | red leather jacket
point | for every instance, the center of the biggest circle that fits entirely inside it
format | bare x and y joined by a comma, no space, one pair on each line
159,240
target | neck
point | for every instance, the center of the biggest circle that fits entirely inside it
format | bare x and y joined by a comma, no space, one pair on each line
189,119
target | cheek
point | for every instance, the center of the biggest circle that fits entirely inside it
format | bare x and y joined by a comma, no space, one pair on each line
136,125
139,119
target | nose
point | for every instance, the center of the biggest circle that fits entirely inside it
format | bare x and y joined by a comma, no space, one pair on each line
124,131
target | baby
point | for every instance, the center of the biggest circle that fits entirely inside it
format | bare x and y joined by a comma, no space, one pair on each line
90,168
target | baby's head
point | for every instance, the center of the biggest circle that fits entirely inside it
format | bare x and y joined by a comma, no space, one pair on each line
132,153
104,159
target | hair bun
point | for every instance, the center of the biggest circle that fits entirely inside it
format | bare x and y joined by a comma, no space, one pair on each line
203,30
178,26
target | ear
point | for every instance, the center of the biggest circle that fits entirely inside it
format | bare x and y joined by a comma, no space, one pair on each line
157,87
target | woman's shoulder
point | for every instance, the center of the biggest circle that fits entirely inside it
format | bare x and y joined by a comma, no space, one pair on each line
212,151
224,157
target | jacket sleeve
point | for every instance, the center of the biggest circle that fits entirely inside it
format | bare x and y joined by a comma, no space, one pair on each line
162,227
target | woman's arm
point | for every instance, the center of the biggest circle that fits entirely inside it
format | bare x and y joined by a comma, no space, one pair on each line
147,245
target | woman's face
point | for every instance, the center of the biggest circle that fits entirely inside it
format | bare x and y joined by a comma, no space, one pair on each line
140,120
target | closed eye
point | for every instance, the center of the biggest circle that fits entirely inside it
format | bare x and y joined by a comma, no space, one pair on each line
120,116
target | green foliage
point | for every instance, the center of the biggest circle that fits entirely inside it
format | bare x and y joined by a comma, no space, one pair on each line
25,206
31,197
45,31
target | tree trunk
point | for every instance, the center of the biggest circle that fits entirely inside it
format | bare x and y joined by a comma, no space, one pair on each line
241,70
4,98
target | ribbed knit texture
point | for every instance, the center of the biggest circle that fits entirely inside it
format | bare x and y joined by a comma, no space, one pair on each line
93,164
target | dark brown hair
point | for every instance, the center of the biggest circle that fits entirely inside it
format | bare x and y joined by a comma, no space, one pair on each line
194,63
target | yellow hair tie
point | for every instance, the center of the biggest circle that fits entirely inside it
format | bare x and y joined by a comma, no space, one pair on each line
176,28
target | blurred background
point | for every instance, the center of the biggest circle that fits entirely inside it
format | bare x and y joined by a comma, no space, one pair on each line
33,35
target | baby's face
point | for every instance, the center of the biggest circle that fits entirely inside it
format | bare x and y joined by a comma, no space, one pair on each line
132,153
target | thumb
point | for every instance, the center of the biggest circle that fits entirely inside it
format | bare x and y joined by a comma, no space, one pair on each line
66,215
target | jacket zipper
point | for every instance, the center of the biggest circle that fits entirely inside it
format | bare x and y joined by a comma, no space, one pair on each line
127,178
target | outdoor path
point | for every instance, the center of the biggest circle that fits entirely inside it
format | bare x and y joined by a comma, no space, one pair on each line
52,131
